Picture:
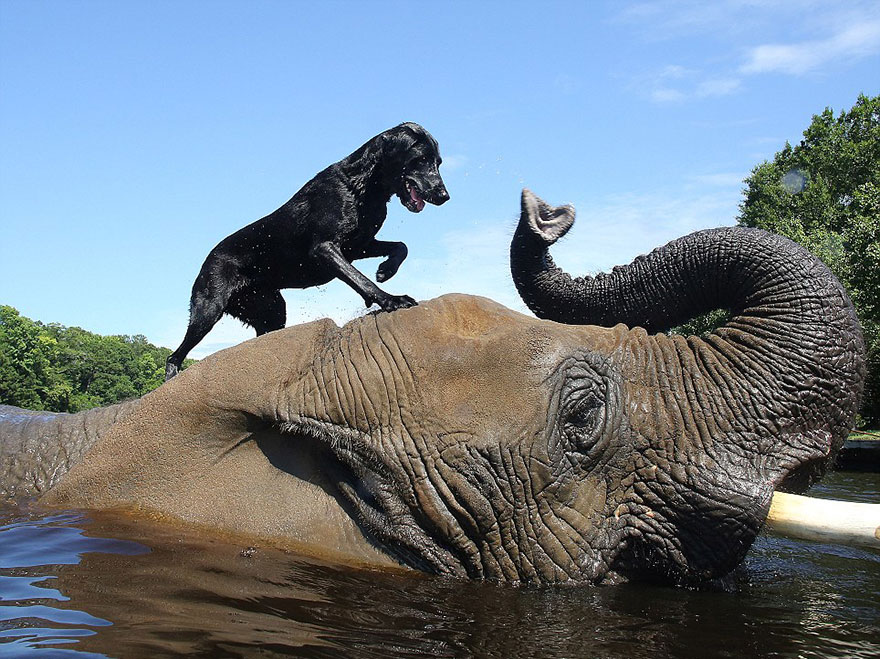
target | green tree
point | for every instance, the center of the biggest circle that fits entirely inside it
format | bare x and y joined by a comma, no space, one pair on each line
67,369
824,193
28,375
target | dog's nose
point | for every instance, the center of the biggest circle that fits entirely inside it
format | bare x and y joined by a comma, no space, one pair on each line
441,196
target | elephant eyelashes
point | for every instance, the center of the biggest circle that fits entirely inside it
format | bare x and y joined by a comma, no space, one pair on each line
586,413
585,418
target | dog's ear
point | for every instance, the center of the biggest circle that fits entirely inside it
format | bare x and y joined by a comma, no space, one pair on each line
412,129
397,141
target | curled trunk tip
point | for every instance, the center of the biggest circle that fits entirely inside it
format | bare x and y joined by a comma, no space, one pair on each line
548,223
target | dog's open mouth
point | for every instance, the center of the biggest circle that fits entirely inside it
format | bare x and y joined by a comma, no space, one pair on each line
413,199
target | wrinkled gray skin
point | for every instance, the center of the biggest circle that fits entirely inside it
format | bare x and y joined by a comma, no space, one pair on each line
462,438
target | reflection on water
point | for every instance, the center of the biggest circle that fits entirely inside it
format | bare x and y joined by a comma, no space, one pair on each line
94,585
33,549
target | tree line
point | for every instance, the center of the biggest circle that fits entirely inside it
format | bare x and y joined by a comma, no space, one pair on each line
67,369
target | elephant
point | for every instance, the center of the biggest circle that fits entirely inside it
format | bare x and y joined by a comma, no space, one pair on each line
462,438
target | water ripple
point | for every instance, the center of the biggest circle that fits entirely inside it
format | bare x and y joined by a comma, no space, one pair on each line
89,586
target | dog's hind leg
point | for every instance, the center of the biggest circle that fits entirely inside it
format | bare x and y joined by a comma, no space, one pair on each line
264,310
209,300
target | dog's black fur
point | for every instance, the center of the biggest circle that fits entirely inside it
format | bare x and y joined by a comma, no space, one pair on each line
314,237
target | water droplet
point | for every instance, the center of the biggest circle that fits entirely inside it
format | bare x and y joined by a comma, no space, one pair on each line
794,181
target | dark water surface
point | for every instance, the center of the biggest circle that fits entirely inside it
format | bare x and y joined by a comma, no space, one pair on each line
84,584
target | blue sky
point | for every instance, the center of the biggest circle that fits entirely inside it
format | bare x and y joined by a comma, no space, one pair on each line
136,135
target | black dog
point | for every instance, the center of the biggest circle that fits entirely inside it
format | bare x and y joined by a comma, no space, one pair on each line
314,237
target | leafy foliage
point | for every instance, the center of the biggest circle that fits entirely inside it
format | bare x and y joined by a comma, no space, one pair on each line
67,369
702,324
824,193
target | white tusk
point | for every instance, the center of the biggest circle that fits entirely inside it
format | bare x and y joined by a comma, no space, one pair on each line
825,520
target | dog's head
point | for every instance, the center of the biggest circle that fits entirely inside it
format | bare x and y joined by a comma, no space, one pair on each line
413,157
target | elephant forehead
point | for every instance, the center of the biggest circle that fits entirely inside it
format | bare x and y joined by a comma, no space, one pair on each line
475,358
468,350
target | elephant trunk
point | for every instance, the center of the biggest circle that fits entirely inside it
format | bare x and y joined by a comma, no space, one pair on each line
723,268
38,448
788,365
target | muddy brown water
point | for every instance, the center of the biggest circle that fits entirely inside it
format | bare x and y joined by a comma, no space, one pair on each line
75,584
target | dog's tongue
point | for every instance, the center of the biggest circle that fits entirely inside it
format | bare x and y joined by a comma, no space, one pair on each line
417,200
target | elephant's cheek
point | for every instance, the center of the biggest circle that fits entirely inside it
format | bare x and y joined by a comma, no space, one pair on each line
586,498
589,497
582,505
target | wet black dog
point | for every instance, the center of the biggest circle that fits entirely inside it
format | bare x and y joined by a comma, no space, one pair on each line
314,237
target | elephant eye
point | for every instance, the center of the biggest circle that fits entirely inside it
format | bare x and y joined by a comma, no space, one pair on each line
585,412
583,409
584,420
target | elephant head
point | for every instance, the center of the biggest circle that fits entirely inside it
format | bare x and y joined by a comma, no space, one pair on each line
462,438
711,425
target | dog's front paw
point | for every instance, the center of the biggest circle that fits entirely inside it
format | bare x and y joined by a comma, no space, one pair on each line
395,302
387,269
